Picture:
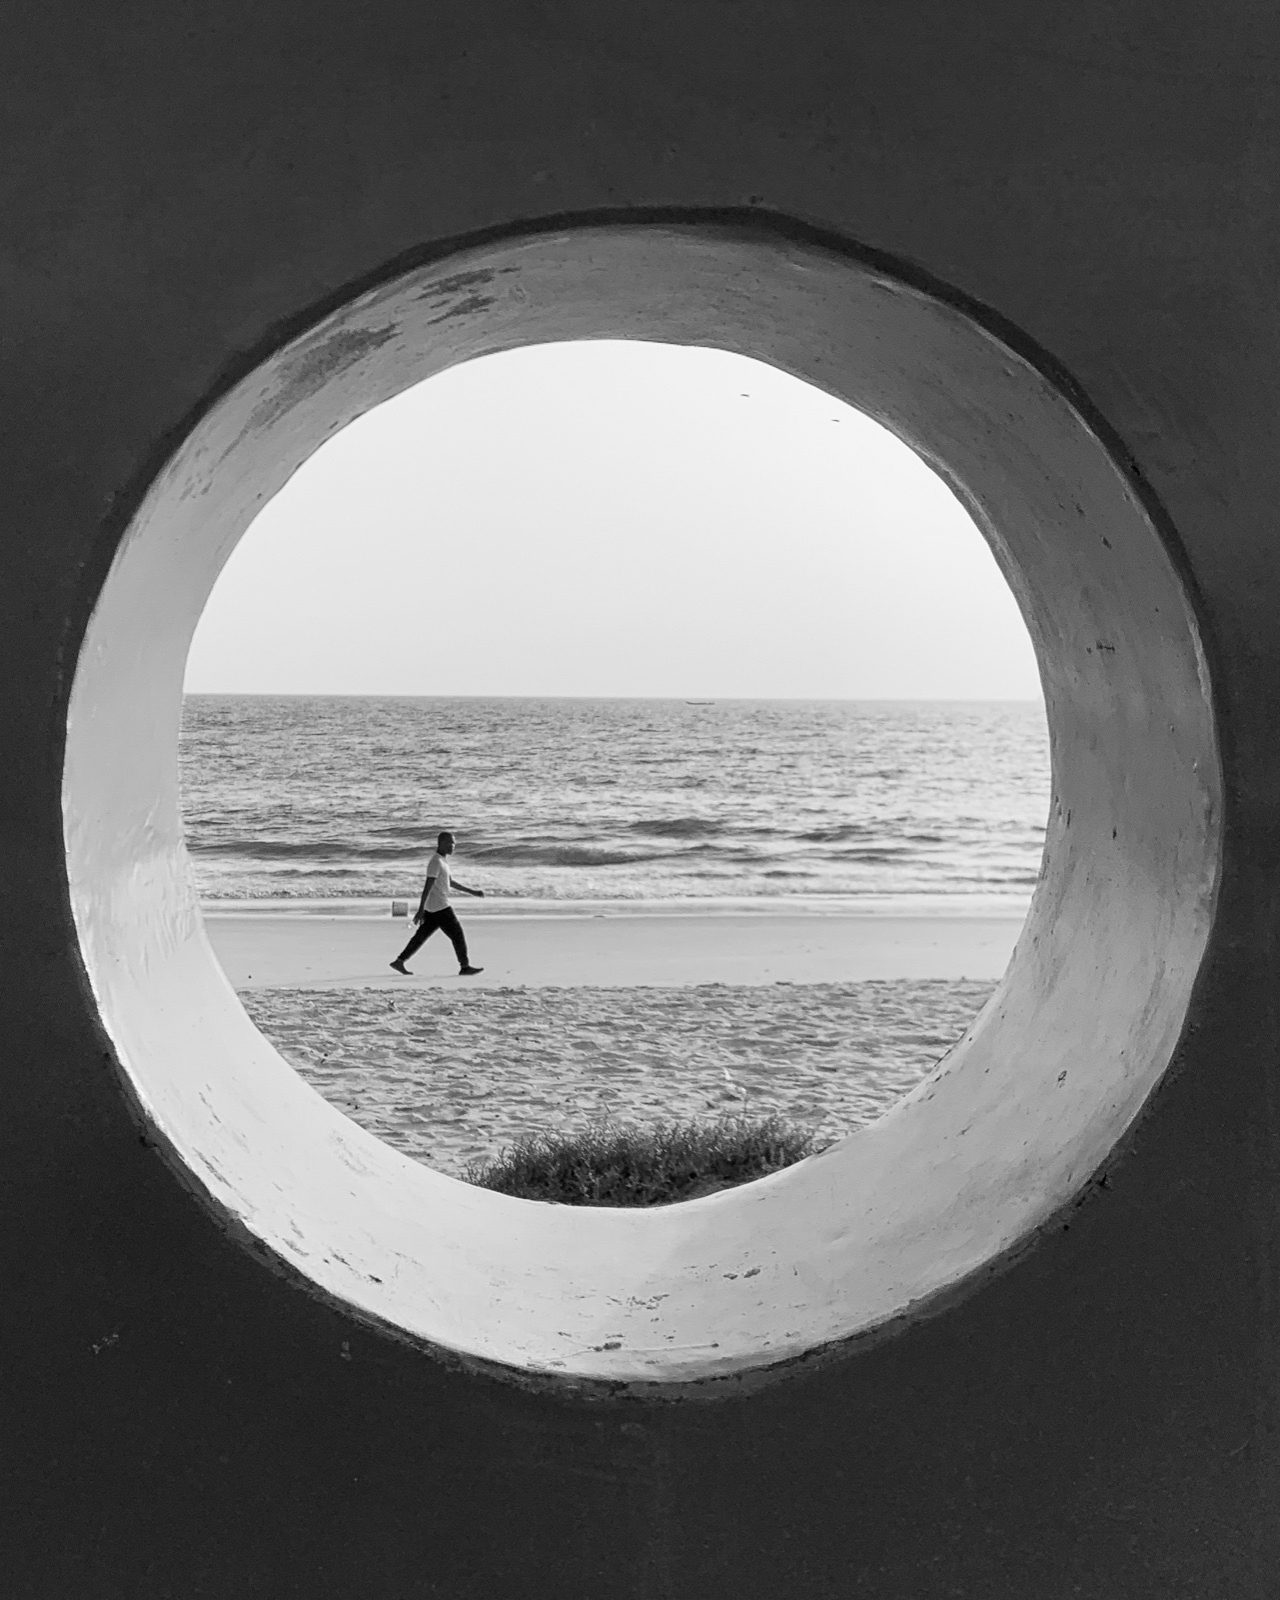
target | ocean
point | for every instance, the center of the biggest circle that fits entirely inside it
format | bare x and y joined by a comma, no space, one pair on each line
337,800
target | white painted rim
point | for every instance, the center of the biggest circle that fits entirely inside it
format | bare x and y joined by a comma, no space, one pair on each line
1019,1114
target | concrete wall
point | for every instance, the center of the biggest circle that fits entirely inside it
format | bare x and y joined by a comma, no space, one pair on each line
185,189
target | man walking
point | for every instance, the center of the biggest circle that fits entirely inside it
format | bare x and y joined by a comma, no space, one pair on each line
434,911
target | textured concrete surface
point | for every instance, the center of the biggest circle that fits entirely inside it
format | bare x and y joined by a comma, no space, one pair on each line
1025,1107
184,190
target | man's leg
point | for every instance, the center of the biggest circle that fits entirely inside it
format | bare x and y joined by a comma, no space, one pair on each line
449,922
421,934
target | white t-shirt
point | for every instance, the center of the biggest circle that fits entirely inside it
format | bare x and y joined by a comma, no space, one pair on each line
438,872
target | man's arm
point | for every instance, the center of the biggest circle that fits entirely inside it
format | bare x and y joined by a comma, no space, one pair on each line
478,893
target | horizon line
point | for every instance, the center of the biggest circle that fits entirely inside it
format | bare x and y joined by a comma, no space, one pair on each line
689,698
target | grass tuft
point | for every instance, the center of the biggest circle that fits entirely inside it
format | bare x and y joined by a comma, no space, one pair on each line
620,1164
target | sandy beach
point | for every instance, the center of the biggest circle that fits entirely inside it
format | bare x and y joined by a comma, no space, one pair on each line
826,1019
449,1078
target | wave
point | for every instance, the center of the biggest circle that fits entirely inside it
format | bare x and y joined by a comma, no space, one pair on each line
839,835
550,853
873,854
241,849
561,855
699,839
406,835
678,827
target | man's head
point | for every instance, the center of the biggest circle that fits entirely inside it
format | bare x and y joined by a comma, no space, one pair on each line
444,844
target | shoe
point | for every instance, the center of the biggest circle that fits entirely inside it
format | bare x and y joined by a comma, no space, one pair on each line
469,972
397,967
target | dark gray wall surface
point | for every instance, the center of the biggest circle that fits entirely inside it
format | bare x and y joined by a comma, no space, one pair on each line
183,182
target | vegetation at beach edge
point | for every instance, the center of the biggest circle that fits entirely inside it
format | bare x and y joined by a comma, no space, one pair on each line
651,1164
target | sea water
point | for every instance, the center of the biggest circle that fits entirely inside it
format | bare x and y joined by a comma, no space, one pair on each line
774,803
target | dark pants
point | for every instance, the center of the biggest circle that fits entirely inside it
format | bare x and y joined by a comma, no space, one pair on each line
447,922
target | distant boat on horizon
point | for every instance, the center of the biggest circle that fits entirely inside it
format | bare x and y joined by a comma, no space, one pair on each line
699,702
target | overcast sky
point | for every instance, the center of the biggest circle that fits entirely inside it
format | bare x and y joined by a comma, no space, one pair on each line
614,518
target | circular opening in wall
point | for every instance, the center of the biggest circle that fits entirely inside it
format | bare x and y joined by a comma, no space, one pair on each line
718,687
1021,1111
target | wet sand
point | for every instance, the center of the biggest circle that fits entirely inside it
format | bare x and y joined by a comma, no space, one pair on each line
615,950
